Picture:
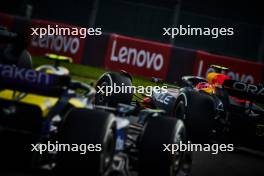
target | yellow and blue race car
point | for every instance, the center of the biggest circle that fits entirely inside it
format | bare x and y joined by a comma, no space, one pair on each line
43,110
49,121
46,123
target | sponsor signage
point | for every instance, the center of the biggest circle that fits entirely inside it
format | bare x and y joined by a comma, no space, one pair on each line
245,91
30,77
240,70
10,73
136,56
30,80
67,45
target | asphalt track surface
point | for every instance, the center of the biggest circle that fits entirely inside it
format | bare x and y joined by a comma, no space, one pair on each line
206,164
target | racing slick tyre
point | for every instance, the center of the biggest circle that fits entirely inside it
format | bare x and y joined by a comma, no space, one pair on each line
95,132
197,111
154,160
115,81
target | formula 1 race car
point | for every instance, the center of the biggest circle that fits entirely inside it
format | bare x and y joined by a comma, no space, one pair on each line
49,121
217,108
39,108
45,111
142,140
213,109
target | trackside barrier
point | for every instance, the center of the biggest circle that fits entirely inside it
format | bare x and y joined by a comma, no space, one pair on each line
240,70
71,46
136,56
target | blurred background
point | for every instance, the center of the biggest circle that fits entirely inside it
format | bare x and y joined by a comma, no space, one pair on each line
146,18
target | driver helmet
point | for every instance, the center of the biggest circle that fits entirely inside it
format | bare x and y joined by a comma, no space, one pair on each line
48,69
205,86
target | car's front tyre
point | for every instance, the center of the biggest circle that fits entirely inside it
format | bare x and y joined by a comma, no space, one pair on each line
84,126
153,158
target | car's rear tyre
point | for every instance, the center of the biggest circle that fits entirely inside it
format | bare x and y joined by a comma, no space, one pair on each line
152,159
197,111
83,126
112,99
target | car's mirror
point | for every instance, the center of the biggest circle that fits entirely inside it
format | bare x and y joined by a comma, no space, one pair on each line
157,80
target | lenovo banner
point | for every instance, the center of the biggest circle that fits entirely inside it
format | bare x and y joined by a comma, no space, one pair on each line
138,57
67,45
240,70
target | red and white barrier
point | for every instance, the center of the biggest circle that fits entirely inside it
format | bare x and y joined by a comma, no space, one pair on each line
66,45
137,56
240,70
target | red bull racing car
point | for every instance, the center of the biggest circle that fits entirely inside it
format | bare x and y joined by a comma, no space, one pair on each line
214,108
217,108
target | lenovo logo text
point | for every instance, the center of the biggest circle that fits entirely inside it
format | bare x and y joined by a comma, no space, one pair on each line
57,43
137,57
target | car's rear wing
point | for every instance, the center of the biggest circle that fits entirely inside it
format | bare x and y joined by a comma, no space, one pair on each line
251,92
31,81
